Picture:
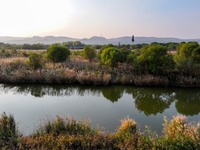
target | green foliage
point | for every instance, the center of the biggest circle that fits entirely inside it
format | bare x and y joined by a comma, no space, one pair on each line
65,126
8,132
57,53
77,53
188,56
89,53
105,47
34,46
124,55
5,53
73,44
111,56
35,61
155,59
132,56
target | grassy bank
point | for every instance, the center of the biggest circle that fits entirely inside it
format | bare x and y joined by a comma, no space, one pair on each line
78,70
67,133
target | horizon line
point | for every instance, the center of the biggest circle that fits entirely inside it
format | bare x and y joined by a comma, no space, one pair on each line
99,37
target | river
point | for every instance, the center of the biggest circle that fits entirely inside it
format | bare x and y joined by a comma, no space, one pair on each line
103,107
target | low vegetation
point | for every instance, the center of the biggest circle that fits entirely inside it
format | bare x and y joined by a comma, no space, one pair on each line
67,133
148,65
35,61
89,53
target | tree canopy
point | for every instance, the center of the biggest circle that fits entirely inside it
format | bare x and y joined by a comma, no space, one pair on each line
188,56
154,59
57,53
111,56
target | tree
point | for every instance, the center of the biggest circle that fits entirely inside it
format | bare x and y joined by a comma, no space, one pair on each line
155,59
57,53
89,53
188,56
111,56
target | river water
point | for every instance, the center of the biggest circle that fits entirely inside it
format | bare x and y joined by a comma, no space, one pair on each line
104,107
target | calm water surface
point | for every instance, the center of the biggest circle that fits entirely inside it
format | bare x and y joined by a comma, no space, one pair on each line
103,106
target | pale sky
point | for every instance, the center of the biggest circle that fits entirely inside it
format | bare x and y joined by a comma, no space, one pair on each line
108,18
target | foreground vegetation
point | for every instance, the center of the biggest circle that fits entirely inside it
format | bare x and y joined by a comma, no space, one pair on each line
150,65
66,133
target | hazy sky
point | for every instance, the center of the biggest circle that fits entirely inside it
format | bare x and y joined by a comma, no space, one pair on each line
108,18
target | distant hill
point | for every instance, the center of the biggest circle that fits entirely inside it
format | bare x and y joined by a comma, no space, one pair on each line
93,40
36,39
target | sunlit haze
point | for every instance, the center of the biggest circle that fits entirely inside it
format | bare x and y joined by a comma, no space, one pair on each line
108,18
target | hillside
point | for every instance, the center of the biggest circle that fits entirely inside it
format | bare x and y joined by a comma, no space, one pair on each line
93,40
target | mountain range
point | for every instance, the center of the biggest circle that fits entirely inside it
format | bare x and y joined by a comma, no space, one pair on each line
92,41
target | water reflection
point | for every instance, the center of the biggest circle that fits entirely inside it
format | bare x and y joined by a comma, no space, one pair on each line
55,90
188,102
112,93
151,101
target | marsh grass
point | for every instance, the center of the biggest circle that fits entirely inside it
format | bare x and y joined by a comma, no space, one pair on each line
79,70
68,125
67,133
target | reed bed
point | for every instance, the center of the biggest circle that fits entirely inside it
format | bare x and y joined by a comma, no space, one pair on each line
17,70
67,133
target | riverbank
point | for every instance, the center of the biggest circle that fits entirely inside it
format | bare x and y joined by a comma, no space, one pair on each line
67,133
80,71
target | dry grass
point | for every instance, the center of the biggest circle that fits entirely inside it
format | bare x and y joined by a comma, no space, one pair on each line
67,133
79,70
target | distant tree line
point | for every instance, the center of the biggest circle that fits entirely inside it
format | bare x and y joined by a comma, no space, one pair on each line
38,46
78,44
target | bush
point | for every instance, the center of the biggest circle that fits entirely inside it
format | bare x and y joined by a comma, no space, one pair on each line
35,61
8,132
111,56
188,57
89,53
57,53
155,59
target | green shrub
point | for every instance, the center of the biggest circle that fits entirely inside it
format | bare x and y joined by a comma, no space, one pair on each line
8,132
188,57
57,53
155,59
89,53
132,57
111,56
124,55
35,61
77,53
